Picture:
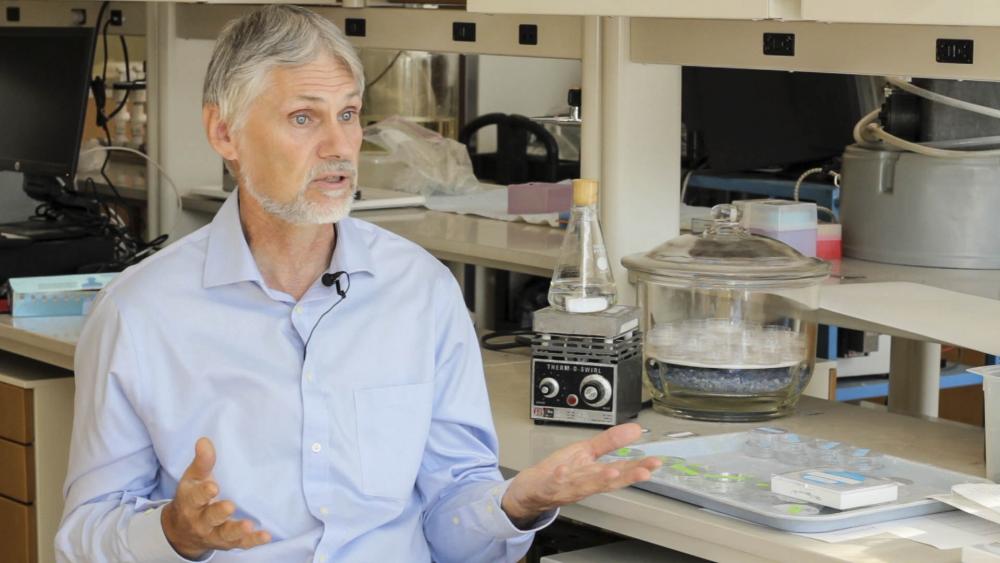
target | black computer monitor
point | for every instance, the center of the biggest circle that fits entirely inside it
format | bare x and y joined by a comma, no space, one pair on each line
751,119
44,82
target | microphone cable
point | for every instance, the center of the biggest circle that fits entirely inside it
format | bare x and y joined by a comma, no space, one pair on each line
328,280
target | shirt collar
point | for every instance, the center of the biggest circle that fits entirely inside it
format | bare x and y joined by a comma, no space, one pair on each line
229,260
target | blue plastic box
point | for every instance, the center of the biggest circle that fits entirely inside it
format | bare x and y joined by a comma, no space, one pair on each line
55,296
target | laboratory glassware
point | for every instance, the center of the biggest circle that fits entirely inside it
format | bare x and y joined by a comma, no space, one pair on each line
582,281
730,322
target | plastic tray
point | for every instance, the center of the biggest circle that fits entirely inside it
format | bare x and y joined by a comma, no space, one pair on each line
725,452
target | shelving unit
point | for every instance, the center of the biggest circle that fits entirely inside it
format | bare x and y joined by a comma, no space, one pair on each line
716,9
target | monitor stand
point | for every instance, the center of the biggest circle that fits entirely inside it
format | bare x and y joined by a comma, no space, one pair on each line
42,230
51,190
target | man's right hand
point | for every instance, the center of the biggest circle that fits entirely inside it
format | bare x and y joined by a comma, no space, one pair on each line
194,523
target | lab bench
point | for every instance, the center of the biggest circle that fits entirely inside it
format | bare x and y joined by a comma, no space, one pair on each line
687,528
629,512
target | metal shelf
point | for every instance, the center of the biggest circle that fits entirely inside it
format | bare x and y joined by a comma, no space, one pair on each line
558,37
844,48
718,9
59,13
924,12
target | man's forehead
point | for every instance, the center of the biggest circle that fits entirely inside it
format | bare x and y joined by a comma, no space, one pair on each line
320,81
311,98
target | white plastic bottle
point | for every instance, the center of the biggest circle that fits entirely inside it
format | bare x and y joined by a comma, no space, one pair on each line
582,281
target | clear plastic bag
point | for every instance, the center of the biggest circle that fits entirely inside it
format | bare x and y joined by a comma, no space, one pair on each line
432,164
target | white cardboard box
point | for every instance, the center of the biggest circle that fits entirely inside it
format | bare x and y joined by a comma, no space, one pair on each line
836,488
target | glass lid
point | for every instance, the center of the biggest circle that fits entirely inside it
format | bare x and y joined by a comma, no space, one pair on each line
727,251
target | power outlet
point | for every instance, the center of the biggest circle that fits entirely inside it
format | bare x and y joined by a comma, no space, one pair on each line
779,44
13,14
463,31
116,18
527,34
355,27
956,51
78,16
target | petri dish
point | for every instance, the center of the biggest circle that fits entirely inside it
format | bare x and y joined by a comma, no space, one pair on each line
826,453
795,509
622,454
791,449
681,473
725,482
863,459
761,441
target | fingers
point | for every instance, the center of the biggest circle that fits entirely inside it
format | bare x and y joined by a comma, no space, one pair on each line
239,534
196,488
614,438
601,478
195,522
204,461
197,494
217,513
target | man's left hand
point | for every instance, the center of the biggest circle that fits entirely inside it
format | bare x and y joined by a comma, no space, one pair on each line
573,473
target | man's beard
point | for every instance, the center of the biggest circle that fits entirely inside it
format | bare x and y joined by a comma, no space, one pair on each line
301,211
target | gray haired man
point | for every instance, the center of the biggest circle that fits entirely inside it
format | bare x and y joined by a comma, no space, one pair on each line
323,371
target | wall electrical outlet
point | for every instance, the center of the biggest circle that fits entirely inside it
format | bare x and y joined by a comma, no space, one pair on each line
957,51
463,31
527,34
780,44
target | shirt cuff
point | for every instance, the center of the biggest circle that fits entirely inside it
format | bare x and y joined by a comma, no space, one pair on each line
147,541
496,520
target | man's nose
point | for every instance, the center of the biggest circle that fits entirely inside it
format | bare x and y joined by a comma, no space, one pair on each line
337,143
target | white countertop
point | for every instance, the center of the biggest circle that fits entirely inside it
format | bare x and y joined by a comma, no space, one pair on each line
684,527
47,339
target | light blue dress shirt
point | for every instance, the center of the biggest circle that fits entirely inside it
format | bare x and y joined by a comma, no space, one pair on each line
375,444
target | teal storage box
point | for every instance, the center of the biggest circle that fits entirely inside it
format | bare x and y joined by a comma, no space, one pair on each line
55,296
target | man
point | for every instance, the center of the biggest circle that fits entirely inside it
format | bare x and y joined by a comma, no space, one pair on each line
322,372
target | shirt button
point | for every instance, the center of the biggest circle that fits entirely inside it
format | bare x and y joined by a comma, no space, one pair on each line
309,376
316,447
455,520
324,510
298,309
322,558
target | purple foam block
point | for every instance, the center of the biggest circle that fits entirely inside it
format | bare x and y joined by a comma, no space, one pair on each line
539,197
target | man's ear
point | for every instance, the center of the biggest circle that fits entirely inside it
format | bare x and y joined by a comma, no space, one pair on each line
218,132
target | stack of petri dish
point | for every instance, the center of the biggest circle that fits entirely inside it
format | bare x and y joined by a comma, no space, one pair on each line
762,442
791,449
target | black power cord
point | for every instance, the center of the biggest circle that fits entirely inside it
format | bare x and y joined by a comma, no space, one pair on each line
385,71
520,338
129,249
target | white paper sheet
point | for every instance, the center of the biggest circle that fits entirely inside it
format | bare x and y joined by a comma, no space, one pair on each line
945,530
847,534
983,494
968,506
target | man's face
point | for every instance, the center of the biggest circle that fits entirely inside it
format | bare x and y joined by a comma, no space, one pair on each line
297,151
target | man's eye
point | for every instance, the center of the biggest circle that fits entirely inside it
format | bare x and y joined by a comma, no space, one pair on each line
347,115
301,119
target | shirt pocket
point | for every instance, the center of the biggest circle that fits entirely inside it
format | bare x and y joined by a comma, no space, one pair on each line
393,424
